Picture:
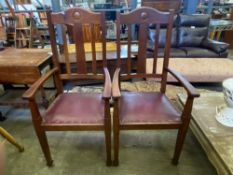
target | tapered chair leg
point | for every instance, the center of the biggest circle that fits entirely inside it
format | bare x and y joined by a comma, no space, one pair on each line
116,148
183,130
36,119
179,144
116,134
44,145
107,131
108,146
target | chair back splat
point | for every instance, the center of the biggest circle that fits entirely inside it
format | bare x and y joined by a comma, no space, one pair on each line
78,57
143,18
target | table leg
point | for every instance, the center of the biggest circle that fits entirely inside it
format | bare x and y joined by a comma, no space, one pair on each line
212,34
2,118
218,35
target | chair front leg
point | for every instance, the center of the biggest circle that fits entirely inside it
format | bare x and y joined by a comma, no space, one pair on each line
40,132
116,128
107,131
183,129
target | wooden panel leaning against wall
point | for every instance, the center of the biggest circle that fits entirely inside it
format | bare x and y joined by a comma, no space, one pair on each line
163,5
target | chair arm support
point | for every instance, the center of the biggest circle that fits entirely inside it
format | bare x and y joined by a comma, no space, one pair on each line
115,85
30,93
107,84
188,87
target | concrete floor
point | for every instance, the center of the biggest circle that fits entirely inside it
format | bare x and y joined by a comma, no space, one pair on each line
77,153
141,152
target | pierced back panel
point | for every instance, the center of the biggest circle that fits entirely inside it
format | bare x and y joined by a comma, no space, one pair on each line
75,53
143,18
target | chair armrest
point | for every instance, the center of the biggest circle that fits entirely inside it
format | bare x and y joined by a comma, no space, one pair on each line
30,93
188,87
115,85
216,46
107,84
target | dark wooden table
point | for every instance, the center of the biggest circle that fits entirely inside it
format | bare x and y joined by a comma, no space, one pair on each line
21,66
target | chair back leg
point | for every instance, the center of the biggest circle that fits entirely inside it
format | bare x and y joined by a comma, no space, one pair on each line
44,144
107,133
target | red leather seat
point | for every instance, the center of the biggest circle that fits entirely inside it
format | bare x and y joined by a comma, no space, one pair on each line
74,111
76,108
147,107
147,110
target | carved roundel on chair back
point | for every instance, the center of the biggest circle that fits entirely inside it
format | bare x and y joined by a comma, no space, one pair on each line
142,18
82,32
74,15
144,15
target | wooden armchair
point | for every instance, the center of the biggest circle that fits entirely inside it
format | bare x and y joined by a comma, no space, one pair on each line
148,110
73,111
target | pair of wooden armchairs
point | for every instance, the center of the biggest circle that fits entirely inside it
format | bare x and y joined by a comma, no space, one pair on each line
91,111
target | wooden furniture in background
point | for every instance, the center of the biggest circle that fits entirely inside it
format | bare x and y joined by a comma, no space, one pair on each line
1,21
74,111
43,17
27,34
217,26
23,1
10,24
21,66
194,71
148,110
10,29
215,138
23,32
228,35
2,29
162,5
2,33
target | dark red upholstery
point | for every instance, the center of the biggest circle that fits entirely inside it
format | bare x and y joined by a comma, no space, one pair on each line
148,110
147,107
76,108
74,111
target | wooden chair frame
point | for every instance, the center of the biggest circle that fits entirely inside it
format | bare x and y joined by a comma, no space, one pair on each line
144,17
77,17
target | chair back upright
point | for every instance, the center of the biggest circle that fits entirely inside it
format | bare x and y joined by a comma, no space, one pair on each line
144,17
74,52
